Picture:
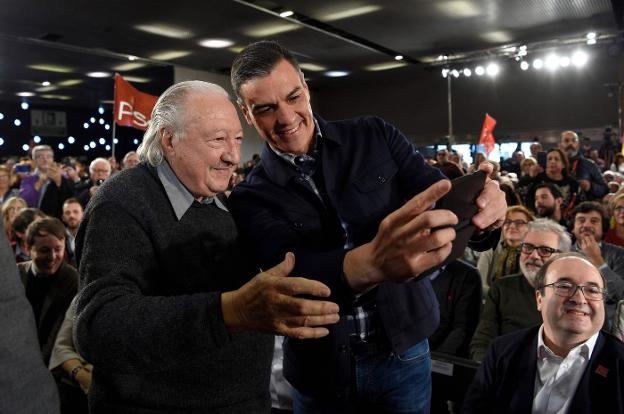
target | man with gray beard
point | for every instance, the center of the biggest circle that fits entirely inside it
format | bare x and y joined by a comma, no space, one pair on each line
510,303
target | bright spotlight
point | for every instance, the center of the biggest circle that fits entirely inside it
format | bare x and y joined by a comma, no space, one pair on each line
107,127
85,125
37,139
107,147
71,140
1,116
455,73
100,110
445,73
538,64
86,147
564,61
25,147
1,141
467,72
115,141
136,141
92,144
551,62
524,65
61,145
17,122
101,121
92,120
102,141
24,106
590,35
479,70
579,58
492,69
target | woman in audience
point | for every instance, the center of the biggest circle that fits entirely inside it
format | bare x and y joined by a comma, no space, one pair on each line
503,260
557,167
6,191
10,208
615,235
618,163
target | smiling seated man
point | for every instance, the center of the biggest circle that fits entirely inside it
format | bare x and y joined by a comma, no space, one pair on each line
567,365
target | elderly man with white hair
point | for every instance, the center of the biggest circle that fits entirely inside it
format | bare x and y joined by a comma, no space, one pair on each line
99,171
171,314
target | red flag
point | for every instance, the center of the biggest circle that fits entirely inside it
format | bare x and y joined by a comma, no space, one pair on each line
132,107
487,138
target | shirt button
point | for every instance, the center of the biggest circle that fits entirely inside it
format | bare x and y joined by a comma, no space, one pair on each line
381,179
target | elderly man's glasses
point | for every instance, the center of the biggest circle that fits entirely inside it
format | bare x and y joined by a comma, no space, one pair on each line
516,223
568,289
543,251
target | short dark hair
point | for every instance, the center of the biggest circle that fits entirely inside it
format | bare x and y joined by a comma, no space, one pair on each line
258,60
43,227
540,277
72,200
553,188
23,220
589,206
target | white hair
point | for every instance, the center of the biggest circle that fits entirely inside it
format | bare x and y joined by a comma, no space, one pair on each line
40,148
548,225
99,159
167,113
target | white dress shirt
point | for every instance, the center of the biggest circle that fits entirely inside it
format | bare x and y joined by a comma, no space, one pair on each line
557,378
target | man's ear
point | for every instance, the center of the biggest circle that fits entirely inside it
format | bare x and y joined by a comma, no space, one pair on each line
166,140
538,299
246,113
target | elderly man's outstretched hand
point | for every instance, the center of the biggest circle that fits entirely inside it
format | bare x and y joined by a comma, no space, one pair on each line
271,303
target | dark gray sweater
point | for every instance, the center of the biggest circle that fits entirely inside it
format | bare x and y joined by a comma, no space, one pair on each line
149,316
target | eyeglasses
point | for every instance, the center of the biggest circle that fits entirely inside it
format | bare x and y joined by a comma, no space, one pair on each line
516,223
568,289
543,251
618,209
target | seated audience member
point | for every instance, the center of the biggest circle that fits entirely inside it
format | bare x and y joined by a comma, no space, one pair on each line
510,302
99,171
513,164
618,163
442,156
583,170
615,235
590,223
6,192
72,217
167,312
503,260
46,188
458,290
535,148
49,283
457,158
556,172
26,384
130,160
525,166
72,372
10,208
565,366
548,201
18,232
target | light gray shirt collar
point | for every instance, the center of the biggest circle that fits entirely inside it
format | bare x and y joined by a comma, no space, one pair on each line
179,197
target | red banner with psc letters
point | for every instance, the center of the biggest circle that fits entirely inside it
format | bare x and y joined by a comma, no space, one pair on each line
133,108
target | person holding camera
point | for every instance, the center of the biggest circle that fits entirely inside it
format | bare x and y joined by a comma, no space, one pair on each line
46,188
99,171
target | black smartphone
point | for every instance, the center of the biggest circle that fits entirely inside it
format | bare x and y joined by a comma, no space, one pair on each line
461,200
22,168
541,159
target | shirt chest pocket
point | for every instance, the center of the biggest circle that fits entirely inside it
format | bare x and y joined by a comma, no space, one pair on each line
375,191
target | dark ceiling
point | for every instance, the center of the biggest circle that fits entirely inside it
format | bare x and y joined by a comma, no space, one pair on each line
78,37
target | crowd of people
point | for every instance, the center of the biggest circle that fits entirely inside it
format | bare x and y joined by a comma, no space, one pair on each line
162,287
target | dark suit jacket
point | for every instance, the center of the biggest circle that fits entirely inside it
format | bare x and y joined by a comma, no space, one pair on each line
62,290
369,169
26,384
505,380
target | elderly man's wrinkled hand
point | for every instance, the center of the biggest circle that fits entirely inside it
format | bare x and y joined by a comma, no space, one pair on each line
271,303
